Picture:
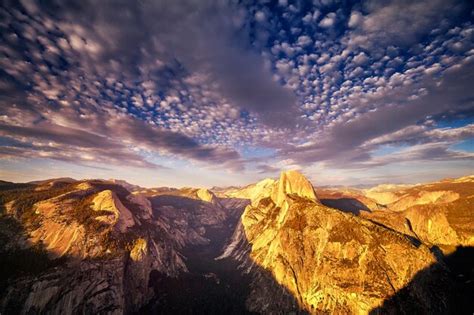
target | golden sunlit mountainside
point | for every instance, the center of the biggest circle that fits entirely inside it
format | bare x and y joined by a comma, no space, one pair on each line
277,246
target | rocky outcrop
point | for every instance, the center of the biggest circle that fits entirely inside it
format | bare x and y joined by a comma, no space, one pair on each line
139,250
328,260
205,195
289,182
54,226
119,216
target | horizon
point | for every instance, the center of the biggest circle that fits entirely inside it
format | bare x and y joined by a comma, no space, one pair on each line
225,93
316,186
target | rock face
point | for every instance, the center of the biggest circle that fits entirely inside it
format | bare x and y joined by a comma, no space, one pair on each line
292,183
108,245
90,288
438,214
143,204
205,195
139,250
120,216
329,261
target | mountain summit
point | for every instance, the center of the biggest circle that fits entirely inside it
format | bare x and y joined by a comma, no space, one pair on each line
292,183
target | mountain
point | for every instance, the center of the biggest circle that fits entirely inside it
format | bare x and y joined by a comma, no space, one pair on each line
276,246
329,261
439,213
99,241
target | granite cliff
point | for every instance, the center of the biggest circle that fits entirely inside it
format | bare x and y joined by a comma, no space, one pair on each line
328,260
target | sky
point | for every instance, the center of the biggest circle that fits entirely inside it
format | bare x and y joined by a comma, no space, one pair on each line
218,93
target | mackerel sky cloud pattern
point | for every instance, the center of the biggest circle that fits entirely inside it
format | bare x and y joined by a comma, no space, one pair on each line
343,90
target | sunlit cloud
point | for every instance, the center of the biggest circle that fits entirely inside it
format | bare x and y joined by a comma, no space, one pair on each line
323,86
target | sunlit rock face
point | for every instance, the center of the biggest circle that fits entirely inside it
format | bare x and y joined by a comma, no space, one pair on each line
289,182
119,215
328,260
139,250
292,183
108,241
438,213
205,195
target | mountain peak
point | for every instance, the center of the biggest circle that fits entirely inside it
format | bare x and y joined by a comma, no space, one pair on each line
293,183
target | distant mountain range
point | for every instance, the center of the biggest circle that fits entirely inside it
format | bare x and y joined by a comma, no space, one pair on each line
278,246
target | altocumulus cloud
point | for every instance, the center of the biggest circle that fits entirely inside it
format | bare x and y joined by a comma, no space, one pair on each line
116,82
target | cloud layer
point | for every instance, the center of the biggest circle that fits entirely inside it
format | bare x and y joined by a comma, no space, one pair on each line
347,85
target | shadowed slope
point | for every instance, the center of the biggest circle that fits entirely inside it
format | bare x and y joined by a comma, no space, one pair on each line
210,286
350,205
454,283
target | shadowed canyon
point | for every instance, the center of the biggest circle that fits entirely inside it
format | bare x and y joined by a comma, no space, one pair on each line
275,247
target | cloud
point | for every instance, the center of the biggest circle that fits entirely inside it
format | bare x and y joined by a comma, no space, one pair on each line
436,151
401,22
260,16
355,19
169,142
304,40
360,59
267,169
204,37
417,134
328,21
198,80
393,111
105,137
